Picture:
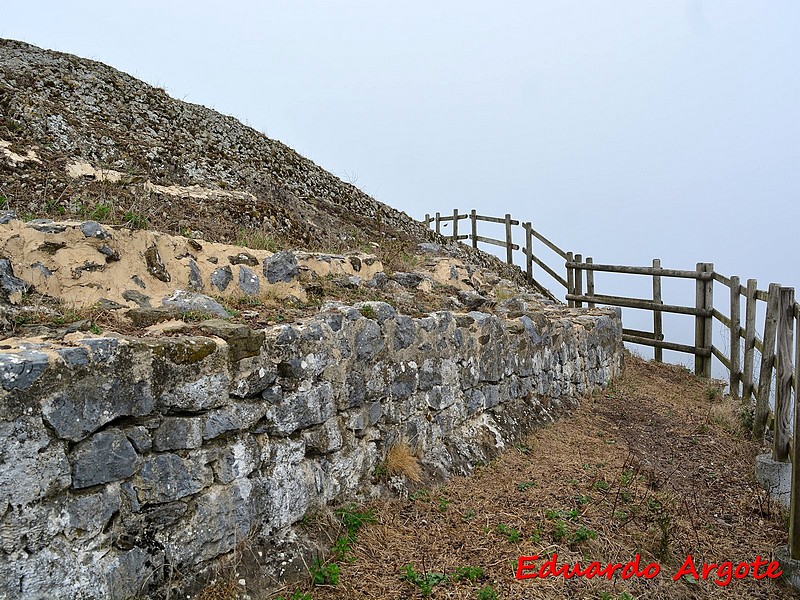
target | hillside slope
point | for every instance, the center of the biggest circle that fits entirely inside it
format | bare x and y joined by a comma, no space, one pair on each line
81,139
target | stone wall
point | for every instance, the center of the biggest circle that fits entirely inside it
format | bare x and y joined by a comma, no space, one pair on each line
123,459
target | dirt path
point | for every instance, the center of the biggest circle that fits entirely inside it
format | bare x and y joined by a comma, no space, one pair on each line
655,465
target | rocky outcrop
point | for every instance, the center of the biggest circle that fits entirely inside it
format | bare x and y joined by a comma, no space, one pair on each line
123,459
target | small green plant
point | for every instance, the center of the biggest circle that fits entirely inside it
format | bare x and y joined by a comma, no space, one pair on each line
3,201
526,485
627,477
569,515
487,592
380,471
601,485
582,534
135,220
560,531
298,595
368,311
425,581
422,495
468,515
324,573
443,504
99,212
95,329
471,573
512,535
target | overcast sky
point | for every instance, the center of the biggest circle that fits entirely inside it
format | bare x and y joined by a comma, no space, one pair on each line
625,130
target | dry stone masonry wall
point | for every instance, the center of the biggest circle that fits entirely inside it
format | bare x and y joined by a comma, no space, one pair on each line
125,459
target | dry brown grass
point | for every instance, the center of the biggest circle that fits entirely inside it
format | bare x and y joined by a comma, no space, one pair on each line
400,460
640,466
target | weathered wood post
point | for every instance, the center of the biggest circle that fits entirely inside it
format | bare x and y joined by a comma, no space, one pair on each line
783,375
509,241
708,327
699,321
436,220
578,280
455,224
658,326
703,326
528,251
794,508
736,328
767,361
590,281
427,220
473,217
749,341
570,279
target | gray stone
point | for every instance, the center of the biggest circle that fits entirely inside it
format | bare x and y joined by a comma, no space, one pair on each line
84,406
155,266
243,341
281,267
243,258
46,226
110,254
19,371
93,229
301,409
429,248
139,298
195,278
368,341
32,466
193,302
775,478
168,477
409,280
248,281
237,416
471,300
42,269
237,460
381,310
404,332
11,287
138,281
178,433
92,512
324,439
379,280
106,456
139,436
7,216
74,357
221,277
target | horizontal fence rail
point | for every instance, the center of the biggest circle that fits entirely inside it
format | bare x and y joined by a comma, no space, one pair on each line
776,353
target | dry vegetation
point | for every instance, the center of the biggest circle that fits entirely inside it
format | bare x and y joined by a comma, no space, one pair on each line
656,465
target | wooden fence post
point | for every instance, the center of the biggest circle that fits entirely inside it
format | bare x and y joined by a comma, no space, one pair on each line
509,241
578,280
783,375
528,251
436,220
767,361
590,281
699,321
473,217
708,328
658,327
794,508
749,341
736,327
570,280
427,220
455,224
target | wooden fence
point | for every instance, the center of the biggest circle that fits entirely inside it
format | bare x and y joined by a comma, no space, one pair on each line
778,350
